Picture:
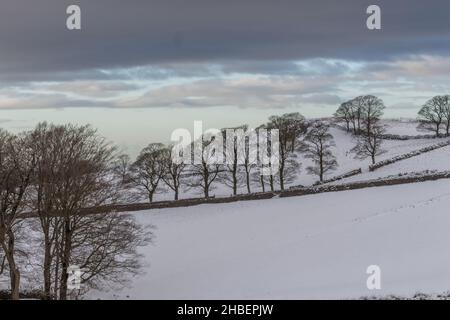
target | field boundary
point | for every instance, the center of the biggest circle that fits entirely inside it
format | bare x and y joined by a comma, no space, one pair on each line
388,181
408,155
340,177
390,136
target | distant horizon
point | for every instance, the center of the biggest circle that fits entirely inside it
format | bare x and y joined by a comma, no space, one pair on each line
132,139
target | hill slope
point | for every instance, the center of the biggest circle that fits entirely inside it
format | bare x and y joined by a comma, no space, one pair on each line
316,246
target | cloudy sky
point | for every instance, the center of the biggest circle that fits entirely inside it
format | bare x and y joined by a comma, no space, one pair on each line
138,69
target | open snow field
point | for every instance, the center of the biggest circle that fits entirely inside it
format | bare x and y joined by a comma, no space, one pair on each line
403,126
315,246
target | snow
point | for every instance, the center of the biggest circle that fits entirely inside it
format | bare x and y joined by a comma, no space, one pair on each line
309,247
403,127
316,246
436,160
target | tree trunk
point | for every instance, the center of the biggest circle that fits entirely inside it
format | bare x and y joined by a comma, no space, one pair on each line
281,181
150,197
281,174
65,259
14,276
248,181
282,164
321,166
205,181
176,193
234,183
15,279
373,159
14,273
57,265
47,266
263,185
15,283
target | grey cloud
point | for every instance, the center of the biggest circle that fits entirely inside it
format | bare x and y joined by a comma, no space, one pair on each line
93,89
34,42
251,92
43,101
325,99
403,106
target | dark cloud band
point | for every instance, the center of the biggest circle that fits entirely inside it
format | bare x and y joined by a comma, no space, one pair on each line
34,40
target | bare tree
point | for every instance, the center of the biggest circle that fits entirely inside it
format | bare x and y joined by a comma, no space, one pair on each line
17,162
148,169
344,113
82,177
249,154
237,151
122,167
446,101
105,249
371,111
49,144
361,111
77,169
290,127
356,113
172,171
370,145
257,177
207,154
431,115
318,148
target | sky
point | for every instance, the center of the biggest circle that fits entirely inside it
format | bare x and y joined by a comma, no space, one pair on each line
138,69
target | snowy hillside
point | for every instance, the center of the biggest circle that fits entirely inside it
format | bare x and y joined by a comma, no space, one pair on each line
345,158
316,246
436,160
402,127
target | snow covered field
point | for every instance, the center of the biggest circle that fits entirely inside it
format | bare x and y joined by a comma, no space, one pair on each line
316,246
437,160
402,126
308,247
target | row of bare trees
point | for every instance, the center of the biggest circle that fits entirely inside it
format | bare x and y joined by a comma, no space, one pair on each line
154,171
362,113
50,175
54,172
361,116
435,114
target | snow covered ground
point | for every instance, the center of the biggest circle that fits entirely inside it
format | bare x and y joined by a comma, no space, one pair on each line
309,247
403,126
315,246
437,160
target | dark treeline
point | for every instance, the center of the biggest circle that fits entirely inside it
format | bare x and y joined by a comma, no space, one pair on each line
361,116
154,171
435,115
62,169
